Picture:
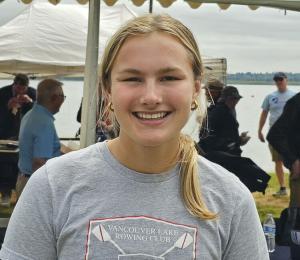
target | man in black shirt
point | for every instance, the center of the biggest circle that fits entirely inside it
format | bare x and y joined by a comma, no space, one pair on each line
15,101
284,136
223,127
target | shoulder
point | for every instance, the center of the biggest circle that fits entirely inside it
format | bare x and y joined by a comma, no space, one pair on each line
289,91
219,108
273,94
39,111
297,97
75,166
221,188
267,97
5,90
295,100
31,91
39,120
6,87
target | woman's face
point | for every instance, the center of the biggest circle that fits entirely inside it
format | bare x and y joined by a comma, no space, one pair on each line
152,89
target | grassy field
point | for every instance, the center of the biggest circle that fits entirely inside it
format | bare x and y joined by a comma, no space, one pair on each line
269,204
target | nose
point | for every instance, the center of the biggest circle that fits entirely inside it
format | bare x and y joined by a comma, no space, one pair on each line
151,93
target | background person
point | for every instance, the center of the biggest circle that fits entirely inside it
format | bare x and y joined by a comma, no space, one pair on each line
15,101
104,128
284,136
274,104
38,140
223,127
221,144
149,181
213,90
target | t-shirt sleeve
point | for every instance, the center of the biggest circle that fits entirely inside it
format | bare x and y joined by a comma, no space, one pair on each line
266,105
30,233
246,239
43,142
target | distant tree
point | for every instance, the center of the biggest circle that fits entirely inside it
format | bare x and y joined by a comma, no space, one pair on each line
260,77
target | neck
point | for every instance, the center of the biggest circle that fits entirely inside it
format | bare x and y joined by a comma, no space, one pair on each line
48,107
282,90
145,159
229,104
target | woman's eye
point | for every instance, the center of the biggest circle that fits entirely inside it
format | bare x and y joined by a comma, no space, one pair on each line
169,78
133,79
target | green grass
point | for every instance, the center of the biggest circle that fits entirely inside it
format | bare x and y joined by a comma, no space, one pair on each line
267,203
5,212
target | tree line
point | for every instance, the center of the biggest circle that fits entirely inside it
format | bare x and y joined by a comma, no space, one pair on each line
255,78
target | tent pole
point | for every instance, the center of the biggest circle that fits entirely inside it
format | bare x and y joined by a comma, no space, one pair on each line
90,89
150,6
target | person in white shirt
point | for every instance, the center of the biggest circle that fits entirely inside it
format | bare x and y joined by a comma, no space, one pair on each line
274,104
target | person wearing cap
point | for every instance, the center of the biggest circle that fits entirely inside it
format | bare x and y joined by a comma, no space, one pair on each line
15,101
223,134
273,104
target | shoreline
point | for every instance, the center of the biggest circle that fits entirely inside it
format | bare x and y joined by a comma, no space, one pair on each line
237,82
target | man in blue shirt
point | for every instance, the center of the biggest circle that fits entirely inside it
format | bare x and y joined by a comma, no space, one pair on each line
274,103
38,140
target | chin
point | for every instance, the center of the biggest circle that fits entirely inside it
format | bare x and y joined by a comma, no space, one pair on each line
154,140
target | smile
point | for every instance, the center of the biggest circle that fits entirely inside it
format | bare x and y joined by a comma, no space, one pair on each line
151,116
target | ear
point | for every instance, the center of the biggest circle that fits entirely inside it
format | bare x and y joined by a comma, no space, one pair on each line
53,98
197,88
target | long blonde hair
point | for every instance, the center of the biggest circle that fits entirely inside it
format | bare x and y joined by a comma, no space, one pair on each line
187,154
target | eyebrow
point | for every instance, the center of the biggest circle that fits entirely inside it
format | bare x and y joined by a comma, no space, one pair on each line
161,71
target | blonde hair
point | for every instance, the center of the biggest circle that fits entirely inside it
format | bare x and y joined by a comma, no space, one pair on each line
187,154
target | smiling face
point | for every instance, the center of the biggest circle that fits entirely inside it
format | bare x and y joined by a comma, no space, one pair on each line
152,89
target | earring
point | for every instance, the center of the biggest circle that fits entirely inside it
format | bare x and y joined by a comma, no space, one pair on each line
194,105
110,106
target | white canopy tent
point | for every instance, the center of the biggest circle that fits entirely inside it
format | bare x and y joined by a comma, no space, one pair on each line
51,40
91,76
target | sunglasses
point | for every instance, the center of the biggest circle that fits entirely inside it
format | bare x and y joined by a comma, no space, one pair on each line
61,95
279,79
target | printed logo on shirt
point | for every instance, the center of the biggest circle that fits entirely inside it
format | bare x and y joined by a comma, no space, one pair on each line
140,238
274,100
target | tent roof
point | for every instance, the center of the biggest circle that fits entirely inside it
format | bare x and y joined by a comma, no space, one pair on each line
224,4
37,42
48,39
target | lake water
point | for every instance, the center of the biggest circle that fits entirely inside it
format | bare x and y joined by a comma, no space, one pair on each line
248,112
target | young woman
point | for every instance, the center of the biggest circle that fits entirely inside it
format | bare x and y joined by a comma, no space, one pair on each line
145,194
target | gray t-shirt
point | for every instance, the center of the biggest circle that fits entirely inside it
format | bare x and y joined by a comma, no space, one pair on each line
86,205
275,103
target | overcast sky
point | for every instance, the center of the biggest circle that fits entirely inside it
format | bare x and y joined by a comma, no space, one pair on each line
265,40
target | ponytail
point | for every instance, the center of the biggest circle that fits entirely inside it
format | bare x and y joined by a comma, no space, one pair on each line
189,180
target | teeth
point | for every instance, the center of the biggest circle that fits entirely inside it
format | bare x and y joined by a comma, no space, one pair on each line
151,116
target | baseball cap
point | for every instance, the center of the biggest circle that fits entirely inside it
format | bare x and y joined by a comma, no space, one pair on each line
279,75
230,91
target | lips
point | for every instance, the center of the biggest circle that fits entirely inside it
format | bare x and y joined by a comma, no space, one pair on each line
151,116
